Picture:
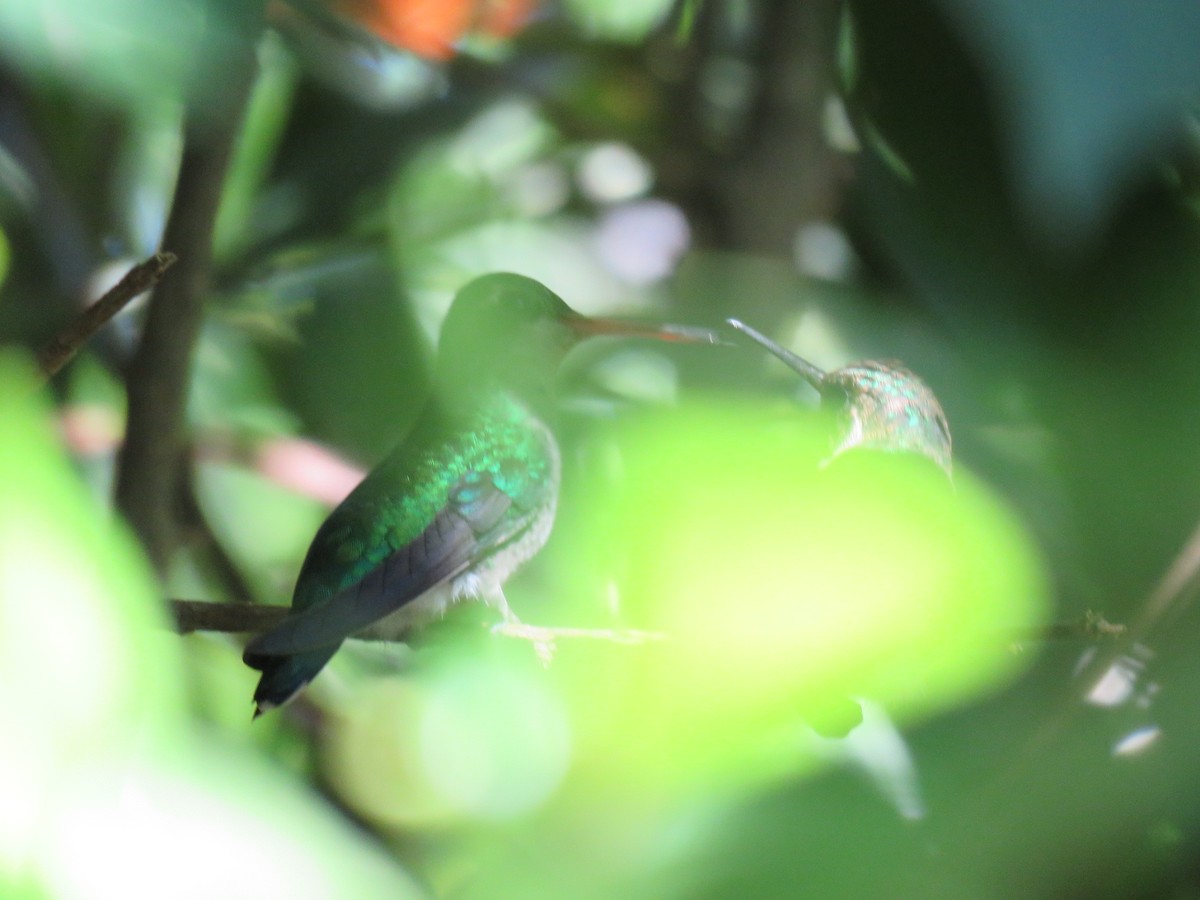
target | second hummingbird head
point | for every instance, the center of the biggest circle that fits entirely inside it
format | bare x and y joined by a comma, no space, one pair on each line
886,407
512,329
876,405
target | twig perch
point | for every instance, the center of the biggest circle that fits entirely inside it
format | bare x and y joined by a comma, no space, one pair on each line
245,618
242,618
235,618
61,348
1091,626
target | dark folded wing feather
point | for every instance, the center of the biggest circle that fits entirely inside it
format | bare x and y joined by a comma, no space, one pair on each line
473,520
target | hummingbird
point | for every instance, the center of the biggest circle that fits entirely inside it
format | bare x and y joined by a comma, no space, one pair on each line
878,405
465,499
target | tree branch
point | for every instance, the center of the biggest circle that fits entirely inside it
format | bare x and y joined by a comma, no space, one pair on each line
1091,626
158,376
61,348
242,618
234,618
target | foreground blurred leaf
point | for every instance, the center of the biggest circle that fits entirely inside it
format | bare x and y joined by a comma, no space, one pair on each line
784,588
88,673
104,789
223,825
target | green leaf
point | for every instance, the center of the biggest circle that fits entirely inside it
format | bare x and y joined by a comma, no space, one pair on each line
622,20
218,824
784,588
266,116
104,789
89,672
475,739
124,50
232,387
1094,94
267,527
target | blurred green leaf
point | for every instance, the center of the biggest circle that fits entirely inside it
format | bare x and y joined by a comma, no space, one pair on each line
231,387
784,588
458,184
266,116
266,527
688,11
104,790
1088,110
222,824
126,50
475,739
89,674
623,20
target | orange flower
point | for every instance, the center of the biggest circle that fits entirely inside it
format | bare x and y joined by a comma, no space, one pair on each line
430,28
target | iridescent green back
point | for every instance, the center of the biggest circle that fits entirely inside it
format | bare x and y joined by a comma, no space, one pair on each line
398,500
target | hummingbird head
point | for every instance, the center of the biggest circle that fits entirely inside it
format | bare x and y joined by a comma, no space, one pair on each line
878,405
885,406
511,330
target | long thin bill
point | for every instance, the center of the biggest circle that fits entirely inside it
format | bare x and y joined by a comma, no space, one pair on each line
680,334
807,370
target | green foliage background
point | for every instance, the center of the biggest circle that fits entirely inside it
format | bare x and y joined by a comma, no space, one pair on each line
1003,194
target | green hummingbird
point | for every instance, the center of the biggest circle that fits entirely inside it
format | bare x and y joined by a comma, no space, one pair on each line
461,503
879,405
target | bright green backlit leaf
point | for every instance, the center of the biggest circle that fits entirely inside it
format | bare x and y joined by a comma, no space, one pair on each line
88,671
103,790
224,826
785,588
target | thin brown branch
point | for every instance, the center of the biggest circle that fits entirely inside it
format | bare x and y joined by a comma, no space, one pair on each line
233,618
1091,626
242,618
1179,586
61,348
199,615
1175,590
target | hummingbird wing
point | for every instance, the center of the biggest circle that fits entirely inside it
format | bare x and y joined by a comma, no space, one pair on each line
477,517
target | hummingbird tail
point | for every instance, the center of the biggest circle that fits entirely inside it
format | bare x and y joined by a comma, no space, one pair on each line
285,676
